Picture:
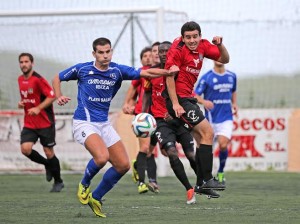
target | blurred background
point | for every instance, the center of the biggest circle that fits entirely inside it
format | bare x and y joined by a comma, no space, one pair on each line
262,38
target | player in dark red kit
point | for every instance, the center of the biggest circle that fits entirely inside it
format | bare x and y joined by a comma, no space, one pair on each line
37,97
187,53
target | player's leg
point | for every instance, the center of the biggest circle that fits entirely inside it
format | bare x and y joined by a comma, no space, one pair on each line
88,135
47,139
203,134
141,163
28,139
223,131
151,166
120,165
187,142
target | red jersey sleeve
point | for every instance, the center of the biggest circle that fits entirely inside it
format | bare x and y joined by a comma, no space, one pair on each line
46,89
174,53
211,50
136,82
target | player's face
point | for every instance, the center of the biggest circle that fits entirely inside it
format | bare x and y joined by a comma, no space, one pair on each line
25,65
191,39
103,55
162,52
146,59
155,57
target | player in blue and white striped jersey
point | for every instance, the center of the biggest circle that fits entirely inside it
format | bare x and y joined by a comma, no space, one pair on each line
218,87
98,82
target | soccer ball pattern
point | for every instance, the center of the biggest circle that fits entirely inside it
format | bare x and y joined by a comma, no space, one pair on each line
143,125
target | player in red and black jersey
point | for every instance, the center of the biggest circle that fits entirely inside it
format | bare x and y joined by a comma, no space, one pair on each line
169,132
187,53
37,97
145,158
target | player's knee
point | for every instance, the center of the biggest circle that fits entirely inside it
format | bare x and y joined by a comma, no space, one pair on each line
123,167
190,156
171,150
26,151
49,152
207,134
101,160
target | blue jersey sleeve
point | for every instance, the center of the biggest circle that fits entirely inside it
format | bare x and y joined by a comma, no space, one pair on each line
128,73
70,73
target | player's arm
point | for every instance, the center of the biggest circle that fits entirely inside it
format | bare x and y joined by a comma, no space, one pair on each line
206,103
146,101
224,55
171,87
157,72
129,102
234,103
46,103
61,99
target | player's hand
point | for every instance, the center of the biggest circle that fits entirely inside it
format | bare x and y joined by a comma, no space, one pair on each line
178,110
208,104
235,110
62,100
217,40
34,111
128,109
21,105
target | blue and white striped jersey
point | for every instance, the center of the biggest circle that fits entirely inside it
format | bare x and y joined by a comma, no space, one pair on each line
97,88
218,88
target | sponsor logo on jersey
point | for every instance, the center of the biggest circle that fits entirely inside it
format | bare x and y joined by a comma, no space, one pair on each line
91,73
24,93
30,90
196,62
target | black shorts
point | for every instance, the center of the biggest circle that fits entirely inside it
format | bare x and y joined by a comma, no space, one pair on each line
46,136
172,132
192,116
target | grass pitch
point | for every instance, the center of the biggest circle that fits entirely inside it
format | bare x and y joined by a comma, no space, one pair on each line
250,197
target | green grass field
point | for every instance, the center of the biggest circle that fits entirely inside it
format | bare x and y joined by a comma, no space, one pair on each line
250,197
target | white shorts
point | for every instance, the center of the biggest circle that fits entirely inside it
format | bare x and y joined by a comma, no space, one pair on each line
83,129
225,128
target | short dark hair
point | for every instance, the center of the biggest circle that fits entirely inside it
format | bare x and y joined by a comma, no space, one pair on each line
157,43
166,42
101,41
28,55
145,49
190,26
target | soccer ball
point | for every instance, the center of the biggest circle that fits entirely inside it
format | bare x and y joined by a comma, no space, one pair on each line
143,125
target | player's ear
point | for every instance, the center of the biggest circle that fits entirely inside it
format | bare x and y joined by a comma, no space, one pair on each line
94,54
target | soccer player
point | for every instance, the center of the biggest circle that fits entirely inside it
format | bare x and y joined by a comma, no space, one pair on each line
218,87
98,82
187,53
37,97
167,133
145,158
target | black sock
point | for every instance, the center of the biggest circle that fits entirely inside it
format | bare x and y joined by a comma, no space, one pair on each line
55,169
151,168
178,169
141,162
200,177
206,160
38,158
193,163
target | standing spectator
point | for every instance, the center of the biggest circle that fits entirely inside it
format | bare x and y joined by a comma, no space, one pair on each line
37,97
218,87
